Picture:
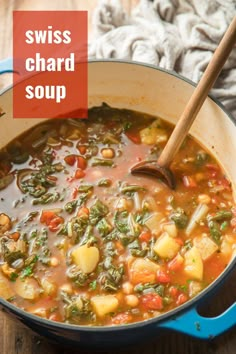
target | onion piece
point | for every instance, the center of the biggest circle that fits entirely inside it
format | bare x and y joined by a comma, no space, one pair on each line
137,201
198,214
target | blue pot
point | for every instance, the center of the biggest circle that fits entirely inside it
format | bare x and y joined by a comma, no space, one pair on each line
185,318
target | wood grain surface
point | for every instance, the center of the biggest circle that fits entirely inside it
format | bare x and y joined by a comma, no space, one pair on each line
17,339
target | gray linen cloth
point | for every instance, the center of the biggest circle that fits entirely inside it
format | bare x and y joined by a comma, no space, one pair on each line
178,35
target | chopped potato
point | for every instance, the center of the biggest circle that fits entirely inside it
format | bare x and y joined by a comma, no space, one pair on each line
27,288
41,312
85,257
104,304
205,245
5,289
171,229
226,245
153,134
166,246
5,223
154,222
143,271
193,264
49,287
194,288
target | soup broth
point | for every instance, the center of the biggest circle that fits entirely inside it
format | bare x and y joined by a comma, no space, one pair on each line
84,241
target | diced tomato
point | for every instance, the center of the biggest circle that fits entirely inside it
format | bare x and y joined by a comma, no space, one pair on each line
122,318
135,138
212,166
55,223
74,193
174,292
82,149
79,173
70,160
81,163
176,263
52,220
189,182
47,216
224,182
162,276
55,317
145,236
179,241
215,200
182,298
83,211
152,301
213,170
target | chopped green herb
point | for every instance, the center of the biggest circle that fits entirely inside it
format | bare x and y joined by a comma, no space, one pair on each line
13,276
93,285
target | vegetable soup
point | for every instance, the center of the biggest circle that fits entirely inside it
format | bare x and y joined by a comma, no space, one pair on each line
84,241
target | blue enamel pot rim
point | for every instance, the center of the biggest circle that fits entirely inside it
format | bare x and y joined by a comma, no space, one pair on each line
172,314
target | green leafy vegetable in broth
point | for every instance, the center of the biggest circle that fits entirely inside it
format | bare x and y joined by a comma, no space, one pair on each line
85,242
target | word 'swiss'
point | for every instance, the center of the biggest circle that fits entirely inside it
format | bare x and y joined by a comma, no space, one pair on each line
38,63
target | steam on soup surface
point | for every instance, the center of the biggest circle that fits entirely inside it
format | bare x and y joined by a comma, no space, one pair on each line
83,241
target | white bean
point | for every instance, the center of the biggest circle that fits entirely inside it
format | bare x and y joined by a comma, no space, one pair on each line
132,300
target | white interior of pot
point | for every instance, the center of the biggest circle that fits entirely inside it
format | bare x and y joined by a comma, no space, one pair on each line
141,88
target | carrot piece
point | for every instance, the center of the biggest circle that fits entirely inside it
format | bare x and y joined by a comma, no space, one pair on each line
82,149
15,236
144,276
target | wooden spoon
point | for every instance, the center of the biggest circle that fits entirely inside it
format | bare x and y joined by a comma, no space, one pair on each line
160,168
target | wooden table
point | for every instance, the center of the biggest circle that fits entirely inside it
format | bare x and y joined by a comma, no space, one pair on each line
15,338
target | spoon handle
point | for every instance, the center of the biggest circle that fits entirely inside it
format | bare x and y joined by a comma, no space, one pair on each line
199,95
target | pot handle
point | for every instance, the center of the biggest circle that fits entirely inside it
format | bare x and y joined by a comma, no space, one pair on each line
195,325
6,66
